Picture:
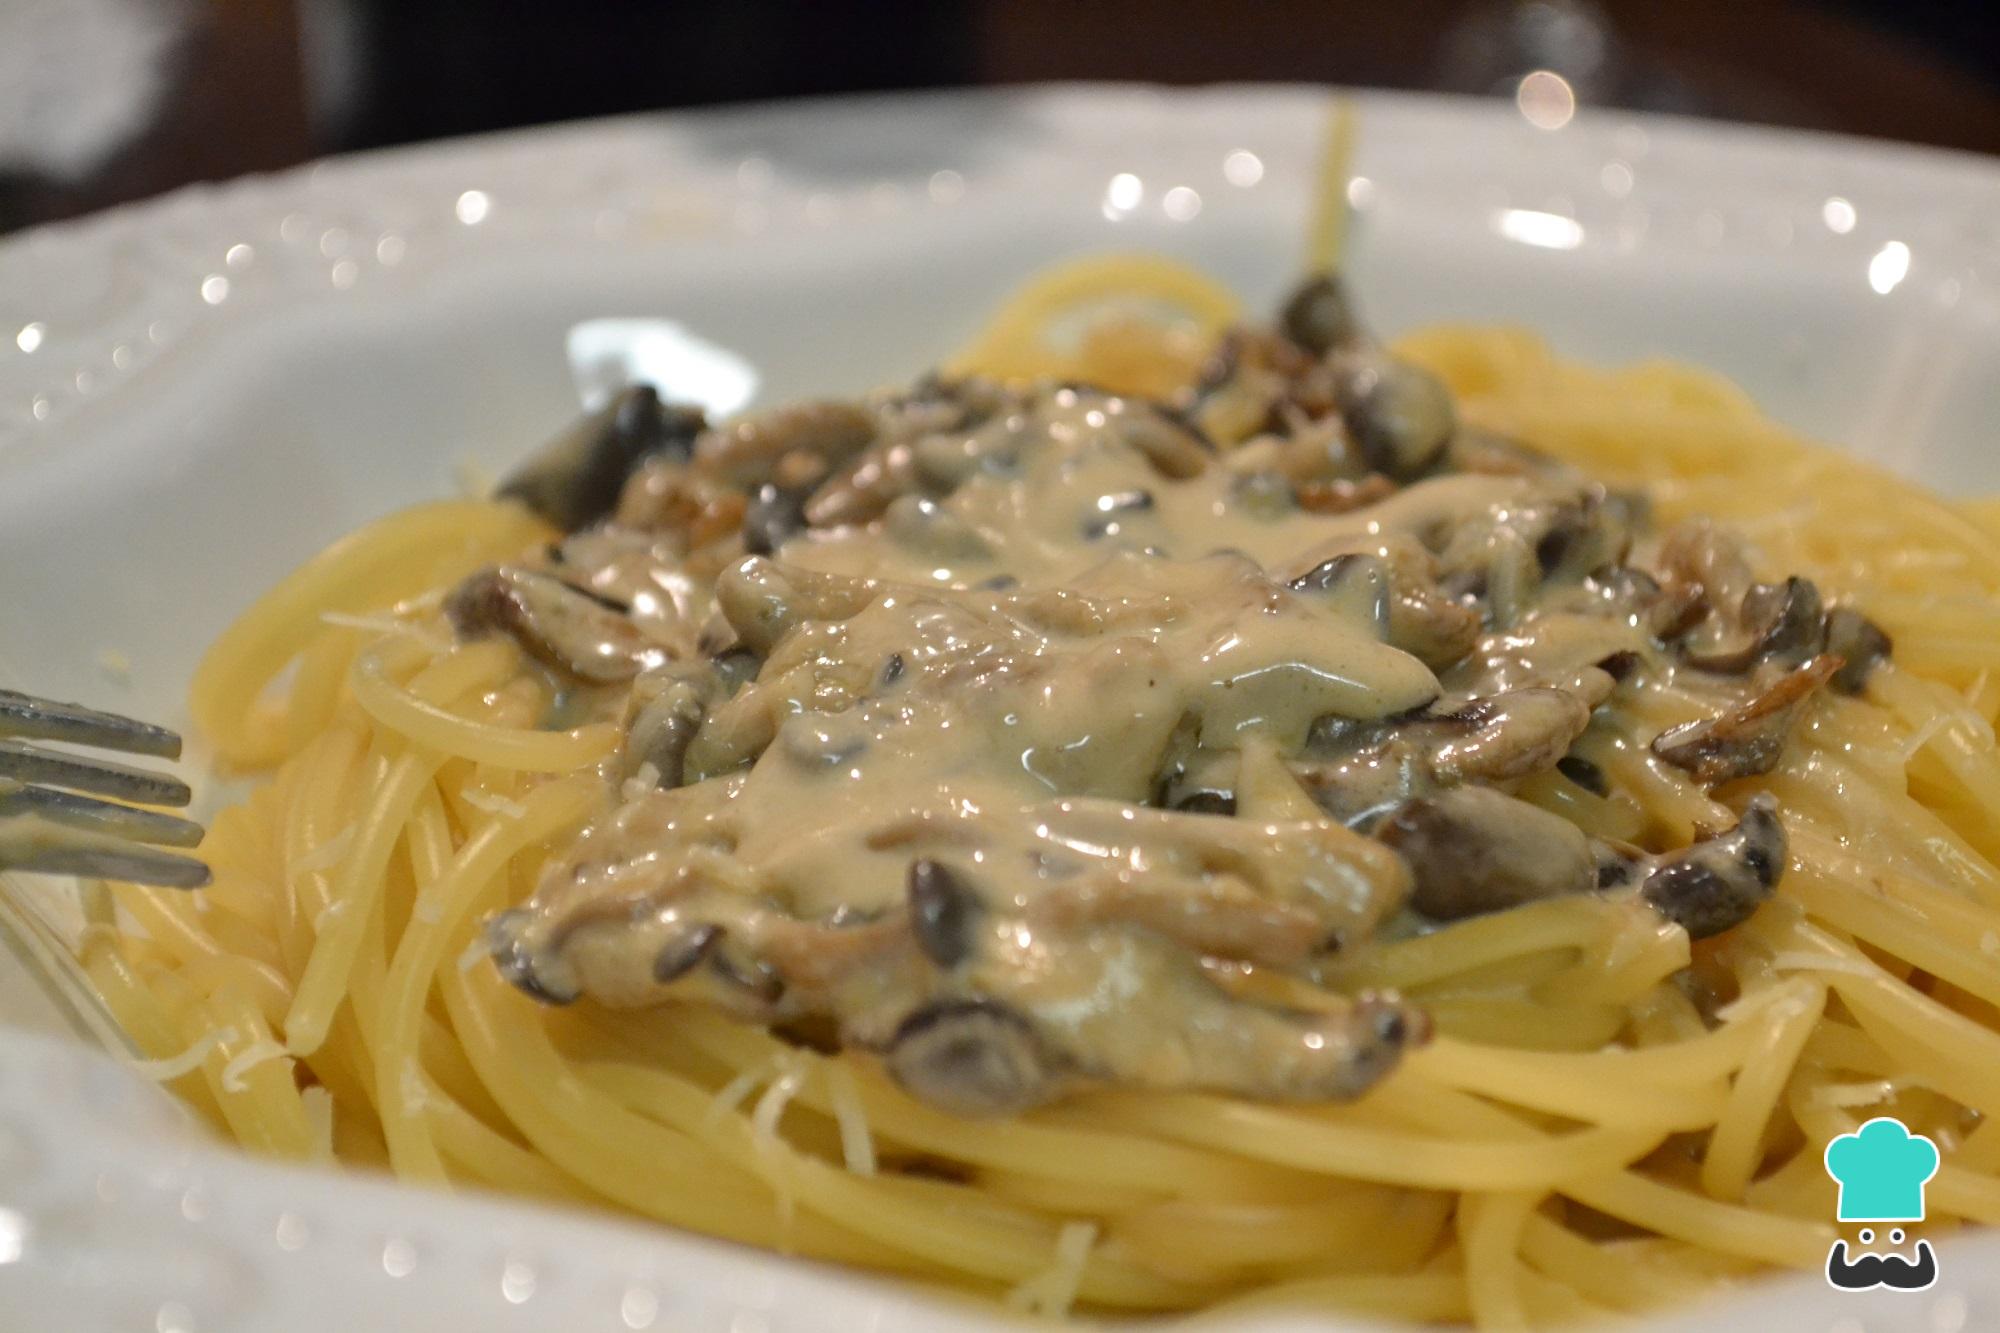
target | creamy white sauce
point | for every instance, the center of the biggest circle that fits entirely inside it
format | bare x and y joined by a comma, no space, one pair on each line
941,792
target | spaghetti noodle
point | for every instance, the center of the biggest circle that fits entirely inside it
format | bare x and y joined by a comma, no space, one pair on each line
1611,1117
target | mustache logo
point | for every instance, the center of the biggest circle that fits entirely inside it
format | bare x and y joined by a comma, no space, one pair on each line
1881,1270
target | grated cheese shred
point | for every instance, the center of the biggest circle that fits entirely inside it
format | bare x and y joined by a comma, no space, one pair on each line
247,1059
857,1141
168,1068
1051,1292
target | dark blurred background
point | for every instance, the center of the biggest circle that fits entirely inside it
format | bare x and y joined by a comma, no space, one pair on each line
103,101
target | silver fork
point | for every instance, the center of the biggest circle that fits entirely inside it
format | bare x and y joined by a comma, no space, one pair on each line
46,825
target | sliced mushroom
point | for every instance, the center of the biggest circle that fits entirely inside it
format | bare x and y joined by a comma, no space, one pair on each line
1792,617
750,449
1584,774
1176,449
866,485
1217,915
763,599
972,1057
773,517
665,725
668,499
1431,627
1398,413
1473,850
1780,622
1342,496
1636,597
1320,316
1241,387
760,984
1422,620
1193,780
1864,644
684,952
521,966
942,912
1377,765
1576,539
575,479
1509,735
1510,578
565,626
1709,560
1749,738
1618,863
1717,884
1358,584
1356,1049
1476,450
1208,1039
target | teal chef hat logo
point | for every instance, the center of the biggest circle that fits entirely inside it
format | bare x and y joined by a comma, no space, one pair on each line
1881,1169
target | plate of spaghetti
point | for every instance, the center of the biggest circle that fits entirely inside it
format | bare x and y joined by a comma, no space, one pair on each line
1242,709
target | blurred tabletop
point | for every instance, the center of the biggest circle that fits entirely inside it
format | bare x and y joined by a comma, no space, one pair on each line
103,101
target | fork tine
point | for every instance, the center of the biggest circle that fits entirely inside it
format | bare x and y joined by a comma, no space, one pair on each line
25,763
37,844
30,718
107,817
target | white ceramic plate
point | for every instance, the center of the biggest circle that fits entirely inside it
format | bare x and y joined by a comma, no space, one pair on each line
199,392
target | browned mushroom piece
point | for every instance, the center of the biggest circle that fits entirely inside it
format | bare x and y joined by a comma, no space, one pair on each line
1628,593
1431,627
1357,582
1319,315
748,451
1206,1038
984,1056
667,710
577,477
1357,771
1423,621
1748,739
1741,622
1175,449
1252,375
1475,450
943,911
1777,622
685,951
973,1057
564,626
1341,495
1576,539
866,485
1864,645
1716,884
522,965
1400,414
669,498
774,515
763,599
1473,850
1709,560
